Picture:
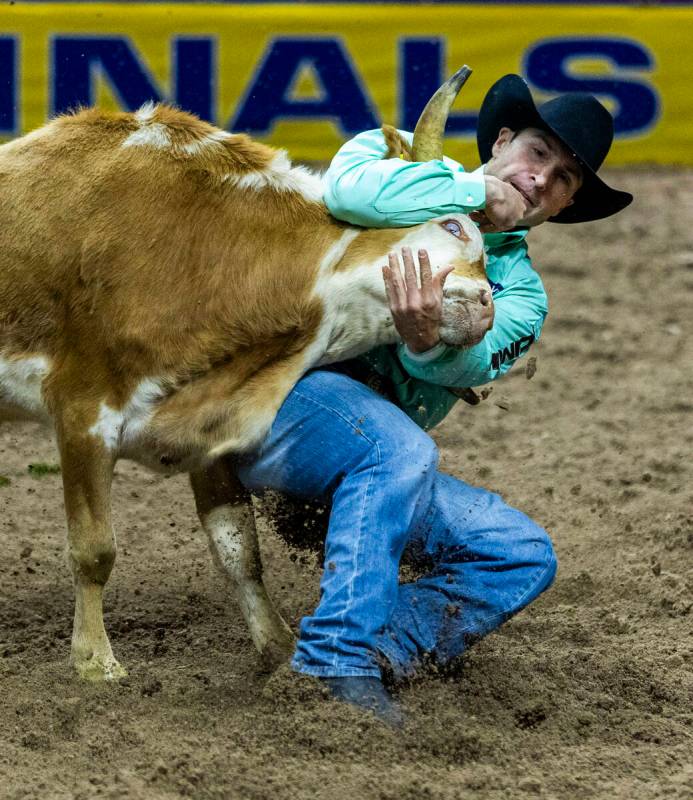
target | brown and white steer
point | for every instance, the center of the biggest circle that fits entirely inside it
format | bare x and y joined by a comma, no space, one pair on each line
163,285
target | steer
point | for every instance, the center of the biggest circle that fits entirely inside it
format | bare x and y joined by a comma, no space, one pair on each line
163,285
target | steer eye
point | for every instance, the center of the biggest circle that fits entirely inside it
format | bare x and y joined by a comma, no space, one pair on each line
453,227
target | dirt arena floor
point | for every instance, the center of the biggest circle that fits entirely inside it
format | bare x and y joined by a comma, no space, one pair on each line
587,694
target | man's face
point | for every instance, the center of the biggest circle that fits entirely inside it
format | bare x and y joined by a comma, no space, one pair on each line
540,168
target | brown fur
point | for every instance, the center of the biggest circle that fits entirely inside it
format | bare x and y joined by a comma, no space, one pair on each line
370,245
125,263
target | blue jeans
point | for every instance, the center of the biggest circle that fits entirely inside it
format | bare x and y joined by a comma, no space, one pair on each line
335,439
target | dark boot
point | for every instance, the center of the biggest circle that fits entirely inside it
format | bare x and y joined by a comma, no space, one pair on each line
368,694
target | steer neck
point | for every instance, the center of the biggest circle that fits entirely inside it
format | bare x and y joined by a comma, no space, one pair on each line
357,313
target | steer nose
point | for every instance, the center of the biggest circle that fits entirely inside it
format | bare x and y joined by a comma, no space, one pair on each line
485,297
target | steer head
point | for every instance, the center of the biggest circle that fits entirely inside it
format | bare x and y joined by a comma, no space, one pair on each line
467,305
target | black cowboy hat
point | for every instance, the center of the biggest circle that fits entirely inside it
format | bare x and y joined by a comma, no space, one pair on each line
578,120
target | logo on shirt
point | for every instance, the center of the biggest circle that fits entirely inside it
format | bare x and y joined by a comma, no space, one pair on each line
510,353
495,287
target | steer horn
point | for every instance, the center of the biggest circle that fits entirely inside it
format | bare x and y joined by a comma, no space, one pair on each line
428,134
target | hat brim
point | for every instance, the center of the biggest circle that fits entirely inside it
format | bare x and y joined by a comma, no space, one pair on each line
509,104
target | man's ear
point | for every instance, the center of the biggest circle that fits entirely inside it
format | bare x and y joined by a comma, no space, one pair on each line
505,135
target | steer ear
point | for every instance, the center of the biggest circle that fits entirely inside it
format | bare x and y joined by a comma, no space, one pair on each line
397,145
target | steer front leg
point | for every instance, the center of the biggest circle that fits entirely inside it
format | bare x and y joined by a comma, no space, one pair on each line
87,469
226,513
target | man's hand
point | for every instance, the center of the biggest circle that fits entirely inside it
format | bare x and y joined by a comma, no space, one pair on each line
505,207
417,311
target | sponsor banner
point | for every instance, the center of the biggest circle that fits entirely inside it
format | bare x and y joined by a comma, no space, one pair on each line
308,76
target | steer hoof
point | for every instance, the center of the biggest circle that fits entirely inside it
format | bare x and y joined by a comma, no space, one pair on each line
97,670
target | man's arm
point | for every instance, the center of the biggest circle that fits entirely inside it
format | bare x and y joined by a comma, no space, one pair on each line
365,188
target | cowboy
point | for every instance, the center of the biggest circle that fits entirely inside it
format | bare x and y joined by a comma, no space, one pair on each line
366,451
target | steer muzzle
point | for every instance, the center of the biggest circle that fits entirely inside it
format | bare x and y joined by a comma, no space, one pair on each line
467,315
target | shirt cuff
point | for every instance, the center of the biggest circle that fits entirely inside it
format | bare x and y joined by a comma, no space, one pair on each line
427,355
470,189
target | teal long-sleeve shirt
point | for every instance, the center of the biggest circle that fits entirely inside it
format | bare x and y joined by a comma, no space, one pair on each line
364,188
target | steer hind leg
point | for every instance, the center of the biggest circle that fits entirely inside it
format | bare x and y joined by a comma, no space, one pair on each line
226,512
87,469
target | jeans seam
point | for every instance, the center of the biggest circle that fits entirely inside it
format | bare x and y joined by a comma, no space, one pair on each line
357,557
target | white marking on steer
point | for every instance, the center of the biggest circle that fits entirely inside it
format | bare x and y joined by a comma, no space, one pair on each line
225,525
356,314
336,252
108,426
20,383
228,540
208,140
153,134
193,148
282,177
146,112
330,288
149,134
219,135
119,427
